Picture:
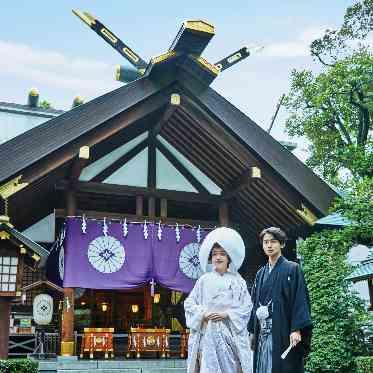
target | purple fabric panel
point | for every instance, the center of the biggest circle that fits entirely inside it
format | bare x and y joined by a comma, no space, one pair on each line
166,254
79,271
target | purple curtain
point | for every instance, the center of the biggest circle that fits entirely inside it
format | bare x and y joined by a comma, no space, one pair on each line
112,255
96,261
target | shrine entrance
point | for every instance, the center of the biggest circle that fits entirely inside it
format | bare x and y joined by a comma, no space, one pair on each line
125,309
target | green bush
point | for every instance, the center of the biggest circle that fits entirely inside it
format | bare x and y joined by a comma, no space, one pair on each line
337,314
364,364
18,366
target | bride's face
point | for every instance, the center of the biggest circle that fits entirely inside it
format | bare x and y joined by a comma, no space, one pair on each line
219,258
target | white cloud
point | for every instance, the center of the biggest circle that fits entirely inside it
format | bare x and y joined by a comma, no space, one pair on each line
295,48
55,69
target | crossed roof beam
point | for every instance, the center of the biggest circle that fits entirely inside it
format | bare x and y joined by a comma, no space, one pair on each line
185,50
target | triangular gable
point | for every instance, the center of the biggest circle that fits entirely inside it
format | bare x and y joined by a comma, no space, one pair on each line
101,164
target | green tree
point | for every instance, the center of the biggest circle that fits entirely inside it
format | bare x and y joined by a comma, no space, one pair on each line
333,110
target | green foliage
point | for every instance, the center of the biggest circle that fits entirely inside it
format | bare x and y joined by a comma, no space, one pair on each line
334,111
364,364
357,206
338,315
18,366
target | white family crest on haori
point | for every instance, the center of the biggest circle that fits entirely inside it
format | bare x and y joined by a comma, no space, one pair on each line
230,240
106,254
43,309
61,262
189,261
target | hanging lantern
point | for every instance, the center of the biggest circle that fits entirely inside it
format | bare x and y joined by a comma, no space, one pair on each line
104,307
135,308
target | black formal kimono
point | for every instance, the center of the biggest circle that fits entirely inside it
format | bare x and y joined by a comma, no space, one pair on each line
290,311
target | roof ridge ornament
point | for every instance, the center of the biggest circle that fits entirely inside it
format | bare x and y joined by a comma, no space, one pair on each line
185,52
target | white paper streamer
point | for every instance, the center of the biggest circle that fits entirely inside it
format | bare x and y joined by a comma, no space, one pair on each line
177,230
84,225
105,228
125,228
199,234
159,231
146,233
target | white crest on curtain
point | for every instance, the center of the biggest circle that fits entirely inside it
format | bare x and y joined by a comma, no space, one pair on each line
189,261
106,254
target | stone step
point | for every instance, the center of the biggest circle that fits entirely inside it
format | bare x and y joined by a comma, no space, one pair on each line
129,370
113,366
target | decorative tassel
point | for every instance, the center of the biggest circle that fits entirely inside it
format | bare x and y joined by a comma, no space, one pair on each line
177,230
105,228
159,232
125,228
84,225
199,234
146,233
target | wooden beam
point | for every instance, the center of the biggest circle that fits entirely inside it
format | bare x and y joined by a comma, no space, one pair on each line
232,144
241,182
61,213
224,214
170,109
101,133
182,169
104,174
125,190
152,162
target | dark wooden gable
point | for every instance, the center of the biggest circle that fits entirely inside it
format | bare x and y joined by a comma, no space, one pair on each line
221,141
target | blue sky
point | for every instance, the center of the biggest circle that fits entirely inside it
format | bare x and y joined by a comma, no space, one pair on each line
43,45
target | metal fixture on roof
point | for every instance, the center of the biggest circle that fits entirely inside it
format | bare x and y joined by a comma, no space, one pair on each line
185,51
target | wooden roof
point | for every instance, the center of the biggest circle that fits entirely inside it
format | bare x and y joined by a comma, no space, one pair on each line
208,130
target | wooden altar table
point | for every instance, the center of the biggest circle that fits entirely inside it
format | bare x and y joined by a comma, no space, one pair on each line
142,340
97,340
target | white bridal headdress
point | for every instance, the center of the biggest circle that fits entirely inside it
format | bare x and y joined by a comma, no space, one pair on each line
230,240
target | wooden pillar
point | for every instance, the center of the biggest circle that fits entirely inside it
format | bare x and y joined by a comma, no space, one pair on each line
139,206
4,326
148,303
67,323
151,207
370,286
163,208
224,214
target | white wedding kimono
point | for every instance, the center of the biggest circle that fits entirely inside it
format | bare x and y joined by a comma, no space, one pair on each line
219,346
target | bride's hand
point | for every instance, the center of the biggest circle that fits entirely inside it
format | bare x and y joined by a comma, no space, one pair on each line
216,316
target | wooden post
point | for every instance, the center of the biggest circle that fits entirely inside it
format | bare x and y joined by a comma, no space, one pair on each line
151,207
139,206
67,324
148,303
163,208
4,326
370,286
223,214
